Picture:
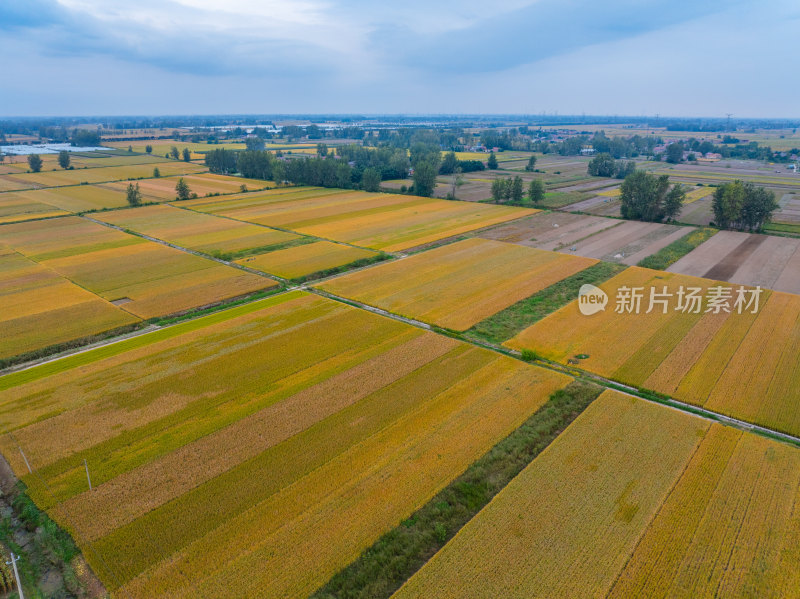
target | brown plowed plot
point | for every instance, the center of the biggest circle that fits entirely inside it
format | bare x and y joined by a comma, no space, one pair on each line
158,280
746,259
589,204
626,242
789,211
633,500
389,222
549,231
460,284
257,451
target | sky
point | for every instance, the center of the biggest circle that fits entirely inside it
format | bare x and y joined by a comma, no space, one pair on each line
610,57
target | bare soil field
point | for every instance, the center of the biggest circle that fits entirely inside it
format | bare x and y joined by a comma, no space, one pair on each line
626,242
789,212
746,259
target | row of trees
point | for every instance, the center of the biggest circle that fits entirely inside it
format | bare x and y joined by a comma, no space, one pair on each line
743,206
511,189
650,198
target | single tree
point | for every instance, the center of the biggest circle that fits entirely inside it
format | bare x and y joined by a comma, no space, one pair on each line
491,164
130,149
498,190
35,162
602,165
254,143
187,155
174,153
516,190
650,198
148,148
156,172
531,166
536,191
624,168
322,149
675,153
182,190
371,179
63,159
425,177
449,164
133,195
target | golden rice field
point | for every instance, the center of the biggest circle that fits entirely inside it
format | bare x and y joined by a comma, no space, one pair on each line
39,308
195,230
633,500
698,193
61,177
741,365
161,146
303,260
16,207
255,451
163,188
75,198
389,222
144,278
460,284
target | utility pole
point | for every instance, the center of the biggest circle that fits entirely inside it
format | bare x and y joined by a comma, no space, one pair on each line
729,114
87,474
13,563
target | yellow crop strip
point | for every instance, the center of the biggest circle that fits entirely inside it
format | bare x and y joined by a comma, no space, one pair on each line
306,259
459,284
566,525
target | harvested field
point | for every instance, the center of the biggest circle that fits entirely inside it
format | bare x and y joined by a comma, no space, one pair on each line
746,259
157,279
698,212
742,365
206,233
387,222
38,308
460,284
300,261
626,242
326,446
567,524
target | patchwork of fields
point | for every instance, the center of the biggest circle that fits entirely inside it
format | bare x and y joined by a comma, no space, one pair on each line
742,365
144,278
214,450
633,500
389,222
460,284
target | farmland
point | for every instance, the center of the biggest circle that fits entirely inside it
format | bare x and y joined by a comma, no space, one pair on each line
460,284
386,222
110,264
311,437
295,262
631,500
197,231
626,242
721,361
747,259
40,308
203,184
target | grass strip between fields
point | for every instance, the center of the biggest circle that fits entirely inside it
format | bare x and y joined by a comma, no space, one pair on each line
329,272
676,250
507,323
398,554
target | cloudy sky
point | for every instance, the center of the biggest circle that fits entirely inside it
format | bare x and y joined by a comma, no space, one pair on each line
626,57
